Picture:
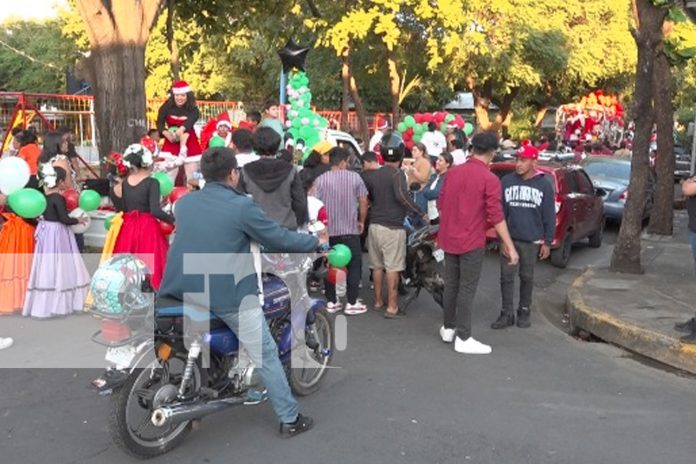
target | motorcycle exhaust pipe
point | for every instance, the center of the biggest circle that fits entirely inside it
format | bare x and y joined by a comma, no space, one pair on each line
177,413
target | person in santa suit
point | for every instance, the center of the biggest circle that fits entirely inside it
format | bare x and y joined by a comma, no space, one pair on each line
382,126
180,111
224,131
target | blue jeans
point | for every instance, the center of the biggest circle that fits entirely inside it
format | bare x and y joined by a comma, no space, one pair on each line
252,331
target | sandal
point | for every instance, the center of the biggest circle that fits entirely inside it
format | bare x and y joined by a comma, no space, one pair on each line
397,315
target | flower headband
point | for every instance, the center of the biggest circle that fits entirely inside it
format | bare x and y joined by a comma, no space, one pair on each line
48,175
136,149
116,160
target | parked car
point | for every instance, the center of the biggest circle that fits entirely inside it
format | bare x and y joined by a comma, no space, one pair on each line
611,176
579,210
682,164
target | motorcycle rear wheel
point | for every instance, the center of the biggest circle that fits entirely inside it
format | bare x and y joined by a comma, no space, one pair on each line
305,380
121,421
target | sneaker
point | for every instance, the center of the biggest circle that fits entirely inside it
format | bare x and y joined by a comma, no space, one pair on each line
356,308
302,424
471,346
447,335
333,308
686,327
523,319
503,321
689,339
5,343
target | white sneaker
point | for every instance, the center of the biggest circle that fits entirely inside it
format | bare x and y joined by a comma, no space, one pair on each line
447,335
5,343
333,307
471,346
355,309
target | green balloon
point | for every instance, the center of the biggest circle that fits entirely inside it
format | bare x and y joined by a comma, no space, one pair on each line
417,138
165,183
443,127
108,221
468,129
89,200
409,121
216,142
418,129
340,255
450,118
27,202
297,123
307,132
323,122
402,127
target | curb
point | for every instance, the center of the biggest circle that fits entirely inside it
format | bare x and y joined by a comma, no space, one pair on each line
654,345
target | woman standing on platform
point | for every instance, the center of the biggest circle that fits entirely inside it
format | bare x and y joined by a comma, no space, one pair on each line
59,280
175,121
140,232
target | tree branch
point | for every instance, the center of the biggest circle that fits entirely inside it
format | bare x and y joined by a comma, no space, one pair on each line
313,8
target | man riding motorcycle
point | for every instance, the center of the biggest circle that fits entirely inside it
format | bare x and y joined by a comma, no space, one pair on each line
218,224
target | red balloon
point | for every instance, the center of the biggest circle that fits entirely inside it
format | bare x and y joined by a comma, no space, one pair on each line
428,117
72,199
177,193
166,228
418,117
336,275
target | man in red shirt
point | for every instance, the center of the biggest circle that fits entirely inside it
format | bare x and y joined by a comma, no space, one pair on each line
469,202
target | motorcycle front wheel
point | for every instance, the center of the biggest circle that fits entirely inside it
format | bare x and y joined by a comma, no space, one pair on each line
306,377
132,406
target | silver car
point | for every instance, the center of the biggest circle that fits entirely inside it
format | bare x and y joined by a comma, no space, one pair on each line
610,177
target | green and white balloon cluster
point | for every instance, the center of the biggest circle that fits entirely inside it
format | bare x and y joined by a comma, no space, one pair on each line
302,122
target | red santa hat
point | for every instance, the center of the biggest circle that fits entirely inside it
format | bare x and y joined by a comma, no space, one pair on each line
181,88
223,120
382,123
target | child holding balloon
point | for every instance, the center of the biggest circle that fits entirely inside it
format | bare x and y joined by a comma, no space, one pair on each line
59,280
141,234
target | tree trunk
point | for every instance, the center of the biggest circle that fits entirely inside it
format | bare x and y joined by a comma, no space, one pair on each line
394,86
662,216
359,107
118,33
171,41
482,101
648,35
345,78
504,118
117,75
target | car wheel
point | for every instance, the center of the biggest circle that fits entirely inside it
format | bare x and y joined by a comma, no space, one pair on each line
561,255
596,237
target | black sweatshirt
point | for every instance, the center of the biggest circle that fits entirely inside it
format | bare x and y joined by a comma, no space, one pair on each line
389,197
529,208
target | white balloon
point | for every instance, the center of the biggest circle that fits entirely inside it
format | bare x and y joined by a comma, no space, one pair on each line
80,228
14,174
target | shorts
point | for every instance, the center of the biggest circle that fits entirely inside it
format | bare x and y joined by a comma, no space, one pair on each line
386,248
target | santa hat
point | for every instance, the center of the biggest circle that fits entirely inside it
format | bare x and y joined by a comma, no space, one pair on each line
382,123
181,88
224,120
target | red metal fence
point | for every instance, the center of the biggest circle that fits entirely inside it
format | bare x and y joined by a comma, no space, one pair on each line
51,111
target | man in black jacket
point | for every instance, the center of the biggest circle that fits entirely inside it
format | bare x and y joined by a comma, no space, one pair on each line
528,205
273,183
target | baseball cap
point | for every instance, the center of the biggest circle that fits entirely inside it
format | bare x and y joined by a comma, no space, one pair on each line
528,152
323,147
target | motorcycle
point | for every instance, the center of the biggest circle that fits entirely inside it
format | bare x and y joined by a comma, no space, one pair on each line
424,264
157,379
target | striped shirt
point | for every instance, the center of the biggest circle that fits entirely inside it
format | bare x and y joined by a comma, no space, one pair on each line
340,190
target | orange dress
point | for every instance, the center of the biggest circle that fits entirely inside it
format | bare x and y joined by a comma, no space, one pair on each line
16,252
31,154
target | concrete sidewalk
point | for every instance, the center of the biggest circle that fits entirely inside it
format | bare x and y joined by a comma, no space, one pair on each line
638,312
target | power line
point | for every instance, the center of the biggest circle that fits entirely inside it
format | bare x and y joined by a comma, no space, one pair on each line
30,58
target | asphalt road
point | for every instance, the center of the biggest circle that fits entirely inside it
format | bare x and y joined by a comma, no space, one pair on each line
399,395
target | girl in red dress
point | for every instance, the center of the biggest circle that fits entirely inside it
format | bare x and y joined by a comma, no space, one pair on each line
180,112
140,232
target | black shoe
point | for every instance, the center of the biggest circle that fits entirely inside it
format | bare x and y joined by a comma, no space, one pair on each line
302,424
690,339
686,327
523,319
504,320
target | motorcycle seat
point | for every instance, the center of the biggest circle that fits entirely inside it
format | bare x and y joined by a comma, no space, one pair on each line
193,314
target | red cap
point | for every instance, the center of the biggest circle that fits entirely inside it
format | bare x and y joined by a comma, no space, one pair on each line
382,123
181,88
528,152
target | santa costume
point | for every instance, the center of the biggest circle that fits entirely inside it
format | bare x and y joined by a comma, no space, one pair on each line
170,115
382,125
